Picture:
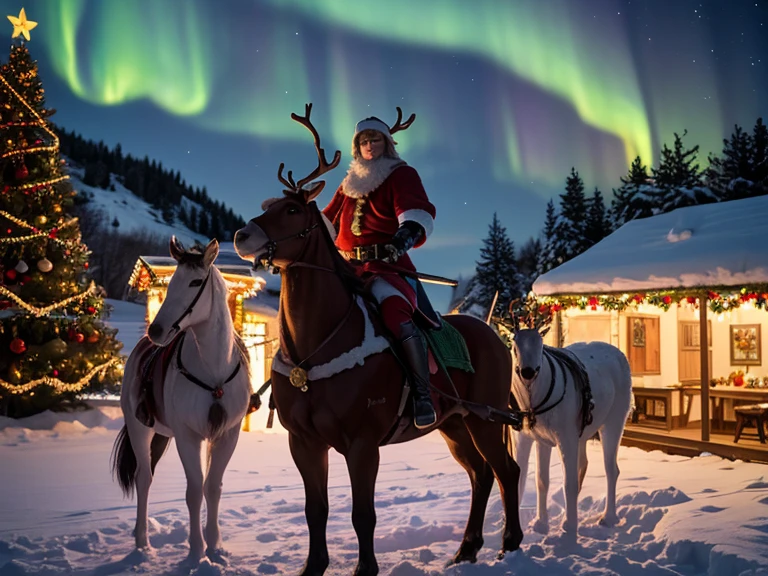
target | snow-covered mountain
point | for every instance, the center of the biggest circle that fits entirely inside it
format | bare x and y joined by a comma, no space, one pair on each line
131,212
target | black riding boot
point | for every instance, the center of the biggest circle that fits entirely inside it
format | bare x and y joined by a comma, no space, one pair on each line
415,352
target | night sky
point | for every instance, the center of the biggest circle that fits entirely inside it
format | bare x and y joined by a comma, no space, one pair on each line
509,94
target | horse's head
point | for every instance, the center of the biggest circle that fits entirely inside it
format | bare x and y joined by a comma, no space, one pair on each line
527,343
279,235
184,305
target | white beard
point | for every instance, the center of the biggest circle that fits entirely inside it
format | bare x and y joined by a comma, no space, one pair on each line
364,176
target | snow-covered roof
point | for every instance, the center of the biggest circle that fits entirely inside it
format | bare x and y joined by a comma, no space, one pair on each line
712,245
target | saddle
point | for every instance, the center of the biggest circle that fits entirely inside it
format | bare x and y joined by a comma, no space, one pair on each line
153,367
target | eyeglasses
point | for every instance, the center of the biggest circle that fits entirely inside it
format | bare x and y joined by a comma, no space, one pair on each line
367,141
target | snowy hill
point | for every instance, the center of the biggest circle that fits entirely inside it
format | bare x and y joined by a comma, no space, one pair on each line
132,213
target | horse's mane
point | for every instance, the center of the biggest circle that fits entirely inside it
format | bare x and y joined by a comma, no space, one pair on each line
580,378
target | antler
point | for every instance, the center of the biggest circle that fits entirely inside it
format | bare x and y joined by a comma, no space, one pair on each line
401,125
322,164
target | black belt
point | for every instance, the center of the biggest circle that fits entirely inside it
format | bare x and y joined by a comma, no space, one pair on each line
365,253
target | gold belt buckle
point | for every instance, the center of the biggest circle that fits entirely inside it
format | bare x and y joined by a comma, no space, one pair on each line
358,253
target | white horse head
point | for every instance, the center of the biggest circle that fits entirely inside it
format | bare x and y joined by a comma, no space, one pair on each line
528,351
188,300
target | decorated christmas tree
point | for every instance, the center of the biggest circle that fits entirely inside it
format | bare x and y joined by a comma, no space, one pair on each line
53,344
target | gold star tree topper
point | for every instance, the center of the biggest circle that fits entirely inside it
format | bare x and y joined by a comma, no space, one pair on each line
21,25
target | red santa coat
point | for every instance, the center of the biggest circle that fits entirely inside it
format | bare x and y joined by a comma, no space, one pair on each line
401,197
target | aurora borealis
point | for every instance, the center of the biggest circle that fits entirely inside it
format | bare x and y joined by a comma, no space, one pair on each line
509,94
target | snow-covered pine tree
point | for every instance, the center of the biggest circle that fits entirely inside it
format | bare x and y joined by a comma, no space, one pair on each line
598,226
760,157
679,178
547,257
633,198
570,231
730,176
496,271
528,263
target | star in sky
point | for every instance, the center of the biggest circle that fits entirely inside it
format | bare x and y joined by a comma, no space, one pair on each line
21,25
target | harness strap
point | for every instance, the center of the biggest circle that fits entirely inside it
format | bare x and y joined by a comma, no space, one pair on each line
175,325
216,391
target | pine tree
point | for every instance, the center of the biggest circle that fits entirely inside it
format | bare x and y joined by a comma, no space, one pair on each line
496,271
631,200
547,257
760,158
597,221
571,227
730,176
679,179
528,263
53,343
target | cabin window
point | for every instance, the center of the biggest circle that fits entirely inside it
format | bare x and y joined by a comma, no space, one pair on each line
644,345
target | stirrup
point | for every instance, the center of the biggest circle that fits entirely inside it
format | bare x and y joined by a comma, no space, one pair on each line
424,420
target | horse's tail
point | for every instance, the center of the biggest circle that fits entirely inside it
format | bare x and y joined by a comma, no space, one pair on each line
123,460
217,417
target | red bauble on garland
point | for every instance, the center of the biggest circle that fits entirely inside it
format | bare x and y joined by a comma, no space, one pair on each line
18,346
21,172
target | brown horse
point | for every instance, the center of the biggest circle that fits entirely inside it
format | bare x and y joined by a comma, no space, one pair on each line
354,410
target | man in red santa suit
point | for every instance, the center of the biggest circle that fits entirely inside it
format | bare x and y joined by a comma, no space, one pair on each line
380,212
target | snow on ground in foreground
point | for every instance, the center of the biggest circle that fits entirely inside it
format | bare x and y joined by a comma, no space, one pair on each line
62,514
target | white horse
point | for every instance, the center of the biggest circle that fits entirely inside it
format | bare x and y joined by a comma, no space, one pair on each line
568,395
198,395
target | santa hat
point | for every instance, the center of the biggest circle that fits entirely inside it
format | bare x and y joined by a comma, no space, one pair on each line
372,123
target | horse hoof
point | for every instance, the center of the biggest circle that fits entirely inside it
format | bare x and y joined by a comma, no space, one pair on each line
460,557
364,569
541,526
609,520
218,556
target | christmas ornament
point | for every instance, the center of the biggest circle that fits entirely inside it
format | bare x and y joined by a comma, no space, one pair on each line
21,267
44,265
79,337
57,208
41,220
21,172
54,349
18,346
21,25
10,275
91,310
93,338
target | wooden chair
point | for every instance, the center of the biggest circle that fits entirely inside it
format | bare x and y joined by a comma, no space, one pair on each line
754,414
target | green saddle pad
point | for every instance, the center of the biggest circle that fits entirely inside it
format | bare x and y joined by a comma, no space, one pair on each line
449,347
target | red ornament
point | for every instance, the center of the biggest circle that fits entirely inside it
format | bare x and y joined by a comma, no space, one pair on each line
738,380
18,346
593,302
10,274
667,299
79,337
85,265
21,172
91,310
691,299
713,295
55,372
53,233
638,298
218,392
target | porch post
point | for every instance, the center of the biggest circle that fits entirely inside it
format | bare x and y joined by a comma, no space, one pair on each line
704,353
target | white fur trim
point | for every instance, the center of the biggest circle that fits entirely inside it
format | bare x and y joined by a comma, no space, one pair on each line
329,225
421,217
365,176
371,345
372,124
381,290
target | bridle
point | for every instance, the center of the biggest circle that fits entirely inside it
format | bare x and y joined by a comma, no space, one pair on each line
175,326
539,408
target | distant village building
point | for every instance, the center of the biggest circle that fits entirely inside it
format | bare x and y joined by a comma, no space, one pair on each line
640,289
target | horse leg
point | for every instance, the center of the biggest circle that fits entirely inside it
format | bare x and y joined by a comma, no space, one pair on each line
523,445
583,461
480,477
141,441
543,456
488,439
610,436
189,445
363,465
221,452
311,459
569,452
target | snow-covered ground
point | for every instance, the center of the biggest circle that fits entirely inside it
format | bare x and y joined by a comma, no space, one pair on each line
61,513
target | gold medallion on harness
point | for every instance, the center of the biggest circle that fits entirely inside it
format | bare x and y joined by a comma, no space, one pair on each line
298,378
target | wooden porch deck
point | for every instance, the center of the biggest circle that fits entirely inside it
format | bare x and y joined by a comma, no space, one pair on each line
687,442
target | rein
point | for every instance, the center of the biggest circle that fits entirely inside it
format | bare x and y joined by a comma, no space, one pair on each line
271,246
216,391
538,410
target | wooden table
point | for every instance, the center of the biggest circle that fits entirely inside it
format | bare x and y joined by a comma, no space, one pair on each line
720,393
663,393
